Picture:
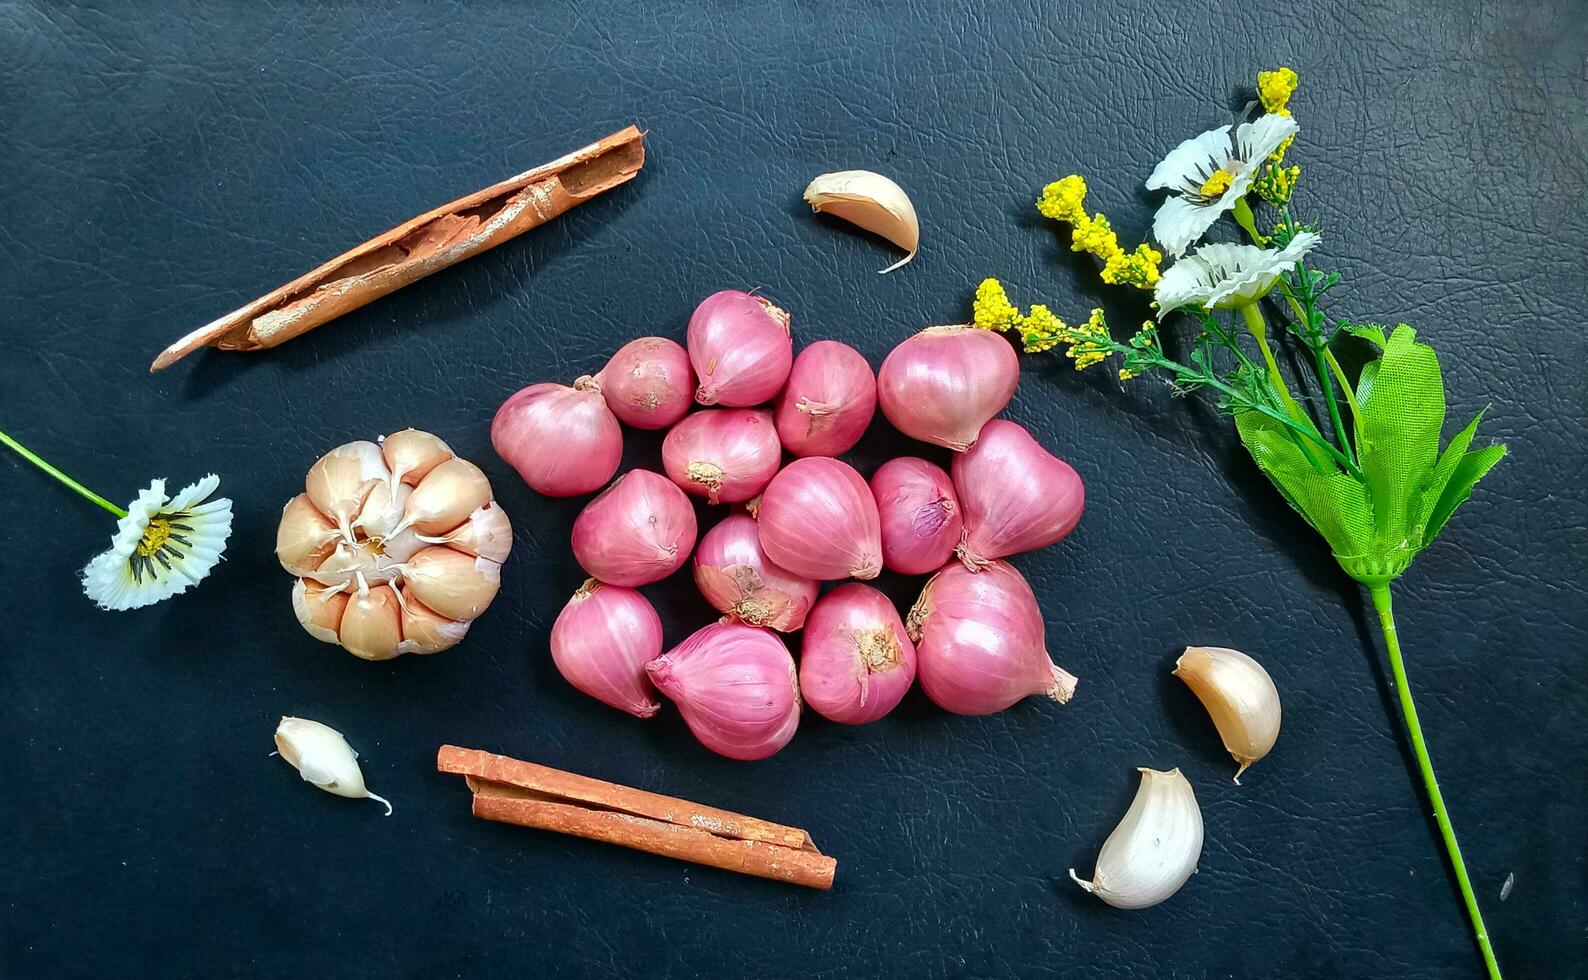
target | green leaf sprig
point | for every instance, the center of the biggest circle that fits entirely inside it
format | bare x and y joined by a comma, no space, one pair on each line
1368,472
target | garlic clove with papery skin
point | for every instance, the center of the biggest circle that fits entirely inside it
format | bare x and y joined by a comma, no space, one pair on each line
446,497
1154,849
1239,695
411,454
340,480
319,608
323,758
872,202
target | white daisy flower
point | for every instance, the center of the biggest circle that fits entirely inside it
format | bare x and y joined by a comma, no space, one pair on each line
163,546
1226,277
1208,175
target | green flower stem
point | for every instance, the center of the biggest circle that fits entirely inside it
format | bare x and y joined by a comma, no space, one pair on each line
1328,398
1386,618
28,455
1258,328
1243,217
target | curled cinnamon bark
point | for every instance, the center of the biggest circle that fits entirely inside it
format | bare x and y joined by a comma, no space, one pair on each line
420,246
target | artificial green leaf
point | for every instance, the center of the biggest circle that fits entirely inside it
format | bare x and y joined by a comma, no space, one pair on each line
1364,388
1334,503
1371,332
1467,473
1400,424
1443,470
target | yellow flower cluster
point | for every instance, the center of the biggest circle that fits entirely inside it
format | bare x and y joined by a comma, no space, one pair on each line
1276,183
1274,89
1041,329
1065,200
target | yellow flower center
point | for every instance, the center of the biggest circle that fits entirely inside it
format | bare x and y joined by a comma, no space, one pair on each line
1216,184
154,536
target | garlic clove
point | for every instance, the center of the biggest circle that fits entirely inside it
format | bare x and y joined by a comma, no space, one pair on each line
871,201
383,508
319,609
340,480
1239,695
487,534
371,625
426,631
323,758
446,497
304,538
411,453
1155,847
453,584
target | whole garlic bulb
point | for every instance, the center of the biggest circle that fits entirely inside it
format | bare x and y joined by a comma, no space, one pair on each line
397,546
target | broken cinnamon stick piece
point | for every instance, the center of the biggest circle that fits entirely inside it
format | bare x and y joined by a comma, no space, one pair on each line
565,803
420,246
567,786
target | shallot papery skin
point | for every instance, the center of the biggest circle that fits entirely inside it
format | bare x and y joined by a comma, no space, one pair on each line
856,660
601,642
921,519
726,455
980,643
741,349
829,401
397,547
638,531
1016,495
818,520
563,441
736,687
943,384
740,581
648,383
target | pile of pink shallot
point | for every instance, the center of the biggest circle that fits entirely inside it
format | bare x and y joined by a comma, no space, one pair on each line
975,638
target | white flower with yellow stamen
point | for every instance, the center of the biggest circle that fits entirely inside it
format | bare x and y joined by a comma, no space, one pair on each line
1210,174
161,547
1226,277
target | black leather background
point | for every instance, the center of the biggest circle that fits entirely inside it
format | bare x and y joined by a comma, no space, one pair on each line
166,162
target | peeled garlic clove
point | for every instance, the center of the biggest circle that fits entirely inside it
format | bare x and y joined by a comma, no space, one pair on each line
1240,696
871,201
340,480
446,497
411,453
319,609
424,630
304,538
1155,847
455,585
323,758
372,624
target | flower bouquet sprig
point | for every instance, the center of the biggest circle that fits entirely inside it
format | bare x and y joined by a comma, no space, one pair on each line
1364,467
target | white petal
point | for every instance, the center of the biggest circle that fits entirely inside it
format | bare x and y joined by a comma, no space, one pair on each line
1191,163
194,493
1255,140
1186,283
1181,221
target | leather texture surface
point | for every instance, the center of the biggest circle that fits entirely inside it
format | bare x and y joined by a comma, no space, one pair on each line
167,162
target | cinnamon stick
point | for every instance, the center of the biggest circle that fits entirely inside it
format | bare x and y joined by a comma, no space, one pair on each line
529,795
555,783
420,246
